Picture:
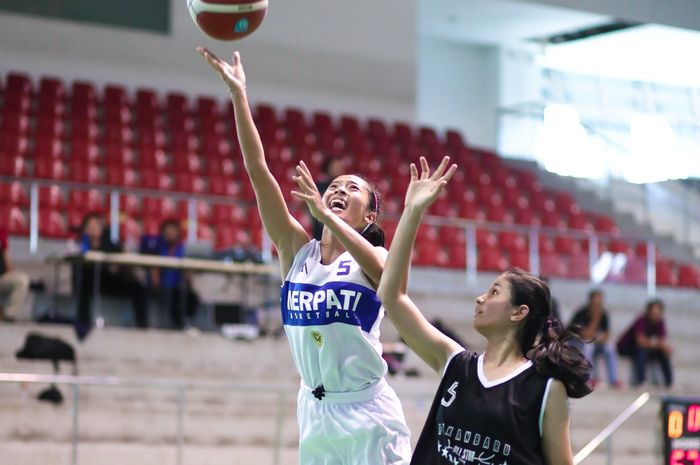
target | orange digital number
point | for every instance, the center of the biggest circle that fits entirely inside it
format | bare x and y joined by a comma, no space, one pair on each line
675,424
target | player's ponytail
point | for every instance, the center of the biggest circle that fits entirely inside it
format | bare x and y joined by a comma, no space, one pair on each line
542,338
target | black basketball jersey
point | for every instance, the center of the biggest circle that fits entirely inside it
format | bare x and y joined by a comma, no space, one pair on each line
476,422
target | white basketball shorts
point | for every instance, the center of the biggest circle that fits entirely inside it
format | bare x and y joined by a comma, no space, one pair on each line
353,428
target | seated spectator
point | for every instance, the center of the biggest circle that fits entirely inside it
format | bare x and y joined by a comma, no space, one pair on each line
590,322
645,341
174,287
114,280
14,284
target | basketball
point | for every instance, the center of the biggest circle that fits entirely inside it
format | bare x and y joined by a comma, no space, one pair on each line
227,19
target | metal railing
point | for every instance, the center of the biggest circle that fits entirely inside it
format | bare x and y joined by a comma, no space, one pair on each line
606,434
282,393
180,387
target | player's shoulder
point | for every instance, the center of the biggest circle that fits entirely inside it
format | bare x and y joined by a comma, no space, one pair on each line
459,360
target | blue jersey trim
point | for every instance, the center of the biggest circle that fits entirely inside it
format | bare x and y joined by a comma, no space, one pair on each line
333,302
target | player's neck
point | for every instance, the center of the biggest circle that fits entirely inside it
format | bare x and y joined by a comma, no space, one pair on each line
502,351
331,248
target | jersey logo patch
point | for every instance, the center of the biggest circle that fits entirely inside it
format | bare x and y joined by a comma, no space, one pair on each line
453,394
317,337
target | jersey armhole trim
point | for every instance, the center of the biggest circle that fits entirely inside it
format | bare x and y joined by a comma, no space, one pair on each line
449,359
544,402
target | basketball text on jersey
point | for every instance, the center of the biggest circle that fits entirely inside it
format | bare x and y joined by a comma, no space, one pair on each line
460,447
332,302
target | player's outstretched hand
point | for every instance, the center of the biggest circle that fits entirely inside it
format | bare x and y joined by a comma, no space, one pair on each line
231,73
424,189
308,192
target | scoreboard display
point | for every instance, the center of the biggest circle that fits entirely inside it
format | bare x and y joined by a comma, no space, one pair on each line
680,418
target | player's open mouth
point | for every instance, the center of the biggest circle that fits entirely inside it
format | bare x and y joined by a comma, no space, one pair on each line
337,204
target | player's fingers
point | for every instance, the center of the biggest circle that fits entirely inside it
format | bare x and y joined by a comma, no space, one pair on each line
236,58
414,171
425,170
450,173
441,168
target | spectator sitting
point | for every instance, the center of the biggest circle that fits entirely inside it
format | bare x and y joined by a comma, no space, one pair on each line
645,341
173,286
114,280
591,323
14,284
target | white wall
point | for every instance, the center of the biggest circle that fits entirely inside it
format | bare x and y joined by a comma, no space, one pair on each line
458,87
336,55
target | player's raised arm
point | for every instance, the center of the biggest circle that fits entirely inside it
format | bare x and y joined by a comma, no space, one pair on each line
284,230
429,343
370,258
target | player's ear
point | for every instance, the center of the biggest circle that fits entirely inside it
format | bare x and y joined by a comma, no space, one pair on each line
519,313
370,217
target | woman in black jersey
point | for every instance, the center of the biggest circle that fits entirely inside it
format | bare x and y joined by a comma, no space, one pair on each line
507,406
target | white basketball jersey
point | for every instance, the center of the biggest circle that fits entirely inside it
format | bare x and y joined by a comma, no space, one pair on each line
331,315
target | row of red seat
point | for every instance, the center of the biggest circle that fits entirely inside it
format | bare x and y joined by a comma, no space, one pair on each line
179,144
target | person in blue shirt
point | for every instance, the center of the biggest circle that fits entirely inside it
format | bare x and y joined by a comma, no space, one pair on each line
114,280
173,286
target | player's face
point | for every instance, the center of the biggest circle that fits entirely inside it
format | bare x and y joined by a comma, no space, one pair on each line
494,310
348,197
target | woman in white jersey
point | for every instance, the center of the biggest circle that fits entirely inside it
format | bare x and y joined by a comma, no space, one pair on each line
509,404
347,413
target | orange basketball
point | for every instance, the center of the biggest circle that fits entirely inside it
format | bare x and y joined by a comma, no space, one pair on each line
227,19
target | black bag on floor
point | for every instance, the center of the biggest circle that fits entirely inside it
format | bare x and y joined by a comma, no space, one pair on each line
38,347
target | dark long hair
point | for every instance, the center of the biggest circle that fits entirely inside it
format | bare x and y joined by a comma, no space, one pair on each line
542,338
373,233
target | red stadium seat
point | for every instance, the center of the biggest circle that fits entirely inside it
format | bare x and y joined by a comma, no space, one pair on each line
18,83
15,219
48,147
86,200
605,224
454,140
11,165
664,273
185,182
552,265
490,259
83,92
51,197
53,224
14,194
120,176
130,205
14,124
159,208
88,173
84,152
519,259
512,241
688,276
115,95
176,103
147,101
151,179
13,145
49,168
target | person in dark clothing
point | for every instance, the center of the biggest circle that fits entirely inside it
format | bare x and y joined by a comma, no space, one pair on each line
591,323
114,280
509,403
645,341
333,166
172,286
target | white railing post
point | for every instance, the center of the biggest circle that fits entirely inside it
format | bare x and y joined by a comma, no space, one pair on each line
279,429
180,423
74,435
